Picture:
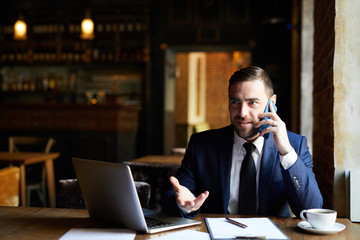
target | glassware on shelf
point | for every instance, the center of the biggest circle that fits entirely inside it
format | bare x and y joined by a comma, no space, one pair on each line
100,96
90,96
94,96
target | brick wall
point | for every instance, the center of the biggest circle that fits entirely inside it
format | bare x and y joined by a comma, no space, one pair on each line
323,98
220,66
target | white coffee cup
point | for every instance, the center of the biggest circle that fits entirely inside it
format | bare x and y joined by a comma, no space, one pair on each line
319,218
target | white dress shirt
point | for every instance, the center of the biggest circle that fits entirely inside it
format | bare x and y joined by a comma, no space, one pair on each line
238,155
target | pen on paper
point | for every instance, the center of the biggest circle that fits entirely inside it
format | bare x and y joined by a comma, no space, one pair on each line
250,237
235,223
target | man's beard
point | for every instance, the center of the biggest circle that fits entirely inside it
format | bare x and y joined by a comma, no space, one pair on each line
248,133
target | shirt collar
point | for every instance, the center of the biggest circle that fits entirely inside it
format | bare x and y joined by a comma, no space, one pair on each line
238,142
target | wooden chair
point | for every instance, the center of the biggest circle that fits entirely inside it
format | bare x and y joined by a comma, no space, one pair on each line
31,144
200,127
9,186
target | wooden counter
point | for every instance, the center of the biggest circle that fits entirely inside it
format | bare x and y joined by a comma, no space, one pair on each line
73,117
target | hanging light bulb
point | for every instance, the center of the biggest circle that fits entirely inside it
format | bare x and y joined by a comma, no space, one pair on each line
87,29
20,29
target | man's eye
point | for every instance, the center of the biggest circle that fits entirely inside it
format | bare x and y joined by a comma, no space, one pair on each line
234,102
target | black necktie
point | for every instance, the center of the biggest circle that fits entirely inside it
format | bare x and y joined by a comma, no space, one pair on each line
247,191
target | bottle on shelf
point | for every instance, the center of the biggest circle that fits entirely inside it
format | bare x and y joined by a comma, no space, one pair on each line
26,84
18,83
32,84
52,82
138,26
4,82
99,27
108,28
110,54
95,54
45,82
72,81
103,55
38,84
121,26
130,26
12,83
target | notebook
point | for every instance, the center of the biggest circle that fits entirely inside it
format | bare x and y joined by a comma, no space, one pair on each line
110,195
255,228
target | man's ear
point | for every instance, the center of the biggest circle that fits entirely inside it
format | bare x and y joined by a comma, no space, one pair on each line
273,98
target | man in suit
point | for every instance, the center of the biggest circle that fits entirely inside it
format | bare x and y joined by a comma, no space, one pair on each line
209,179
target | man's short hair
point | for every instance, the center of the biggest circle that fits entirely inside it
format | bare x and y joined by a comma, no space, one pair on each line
252,73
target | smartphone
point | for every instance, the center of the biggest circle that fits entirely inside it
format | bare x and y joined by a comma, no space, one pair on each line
267,109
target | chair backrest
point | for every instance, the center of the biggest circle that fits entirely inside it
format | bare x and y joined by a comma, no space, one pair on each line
15,142
9,187
69,194
200,127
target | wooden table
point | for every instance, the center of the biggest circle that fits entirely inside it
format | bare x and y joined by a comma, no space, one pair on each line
22,159
30,223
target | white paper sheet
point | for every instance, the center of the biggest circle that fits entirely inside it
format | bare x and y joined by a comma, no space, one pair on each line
264,227
98,234
184,234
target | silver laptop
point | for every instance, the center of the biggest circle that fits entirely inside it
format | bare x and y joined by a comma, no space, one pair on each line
110,195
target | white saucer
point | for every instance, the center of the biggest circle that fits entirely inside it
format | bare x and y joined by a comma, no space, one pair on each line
338,227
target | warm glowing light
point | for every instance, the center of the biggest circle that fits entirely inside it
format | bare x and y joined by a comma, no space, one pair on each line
20,29
87,29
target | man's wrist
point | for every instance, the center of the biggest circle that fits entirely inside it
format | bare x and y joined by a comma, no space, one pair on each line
289,159
286,151
183,210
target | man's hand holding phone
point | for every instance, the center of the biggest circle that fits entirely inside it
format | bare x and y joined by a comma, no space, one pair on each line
271,122
267,109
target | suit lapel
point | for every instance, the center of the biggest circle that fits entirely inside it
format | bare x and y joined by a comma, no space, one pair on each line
225,159
268,162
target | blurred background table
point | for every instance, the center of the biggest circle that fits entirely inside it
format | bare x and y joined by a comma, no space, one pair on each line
157,160
155,170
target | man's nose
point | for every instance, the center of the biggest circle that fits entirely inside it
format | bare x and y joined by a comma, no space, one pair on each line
243,110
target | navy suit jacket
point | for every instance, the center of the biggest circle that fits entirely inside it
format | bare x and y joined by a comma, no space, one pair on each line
206,167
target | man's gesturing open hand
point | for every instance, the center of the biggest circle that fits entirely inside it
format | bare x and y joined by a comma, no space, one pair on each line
185,198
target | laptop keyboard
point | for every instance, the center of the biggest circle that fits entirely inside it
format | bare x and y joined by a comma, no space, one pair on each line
154,223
